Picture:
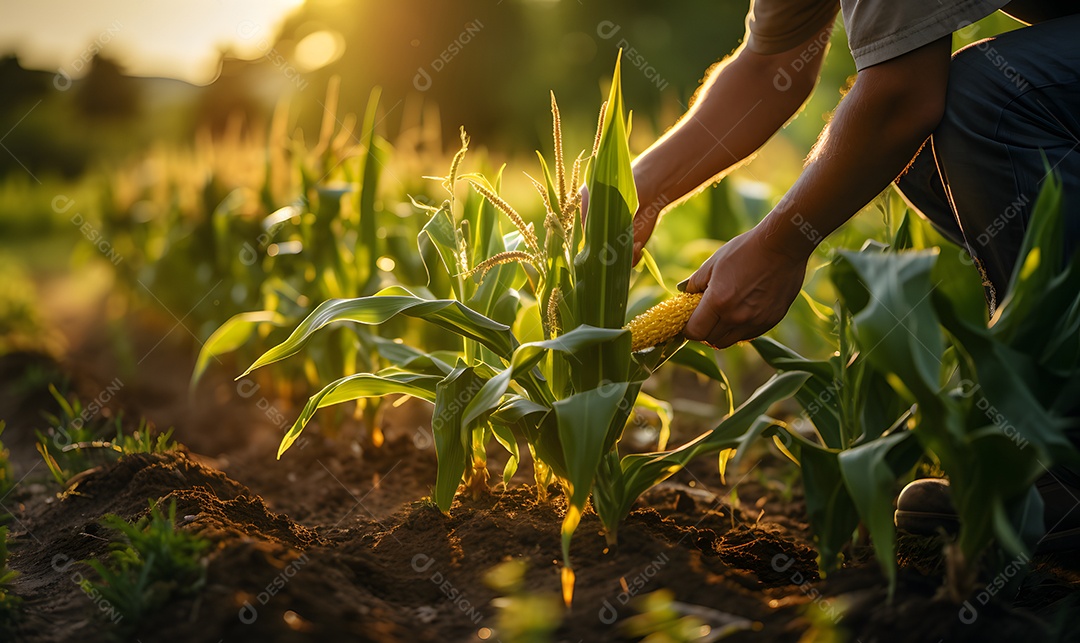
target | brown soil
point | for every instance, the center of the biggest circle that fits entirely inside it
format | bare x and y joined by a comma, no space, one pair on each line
334,541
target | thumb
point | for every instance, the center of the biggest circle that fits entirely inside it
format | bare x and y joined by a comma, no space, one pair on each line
699,281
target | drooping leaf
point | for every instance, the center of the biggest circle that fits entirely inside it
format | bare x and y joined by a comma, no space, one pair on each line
446,313
234,333
644,470
358,386
870,472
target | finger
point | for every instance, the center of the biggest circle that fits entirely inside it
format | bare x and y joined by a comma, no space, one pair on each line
699,281
725,337
703,321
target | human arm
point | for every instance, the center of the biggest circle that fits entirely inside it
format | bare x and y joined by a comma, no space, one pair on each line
745,100
889,113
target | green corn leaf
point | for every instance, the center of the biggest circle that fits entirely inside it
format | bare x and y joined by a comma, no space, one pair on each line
702,359
833,516
654,270
358,386
890,295
505,437
602,268
870,472
536,423
438,238
904,238
820,396
1010,381
1041,258
452,441
234,333
783,358
583,420
644,470
375,158
527,356
406,357
518,408
388,303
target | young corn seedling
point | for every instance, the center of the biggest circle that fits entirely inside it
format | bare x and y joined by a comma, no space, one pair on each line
569,395
10,602
151,564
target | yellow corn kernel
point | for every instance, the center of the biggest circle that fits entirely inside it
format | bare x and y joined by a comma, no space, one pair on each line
663,321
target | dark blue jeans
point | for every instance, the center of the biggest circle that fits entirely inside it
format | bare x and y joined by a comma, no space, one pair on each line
1012,107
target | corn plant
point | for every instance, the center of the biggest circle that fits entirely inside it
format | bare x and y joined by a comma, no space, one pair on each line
151,564
567,396
919,371
10,602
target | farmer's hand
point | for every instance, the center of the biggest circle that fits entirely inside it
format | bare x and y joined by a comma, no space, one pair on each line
749,285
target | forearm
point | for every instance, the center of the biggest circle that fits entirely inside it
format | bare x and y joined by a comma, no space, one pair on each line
739,108
880,125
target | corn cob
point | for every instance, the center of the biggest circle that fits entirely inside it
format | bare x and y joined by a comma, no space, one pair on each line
663,321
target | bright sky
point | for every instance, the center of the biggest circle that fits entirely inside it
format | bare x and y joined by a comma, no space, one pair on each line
148,37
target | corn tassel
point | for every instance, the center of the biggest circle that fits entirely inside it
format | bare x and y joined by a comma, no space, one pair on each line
509,256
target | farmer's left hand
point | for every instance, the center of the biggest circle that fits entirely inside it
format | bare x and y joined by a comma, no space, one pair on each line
749,284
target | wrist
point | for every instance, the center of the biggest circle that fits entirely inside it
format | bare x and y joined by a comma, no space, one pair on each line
652,199
789,233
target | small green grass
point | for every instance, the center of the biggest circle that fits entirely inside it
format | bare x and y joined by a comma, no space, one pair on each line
150,564
7,475
10,603
78,440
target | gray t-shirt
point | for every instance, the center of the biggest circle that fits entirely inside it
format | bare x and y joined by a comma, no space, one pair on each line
877,29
